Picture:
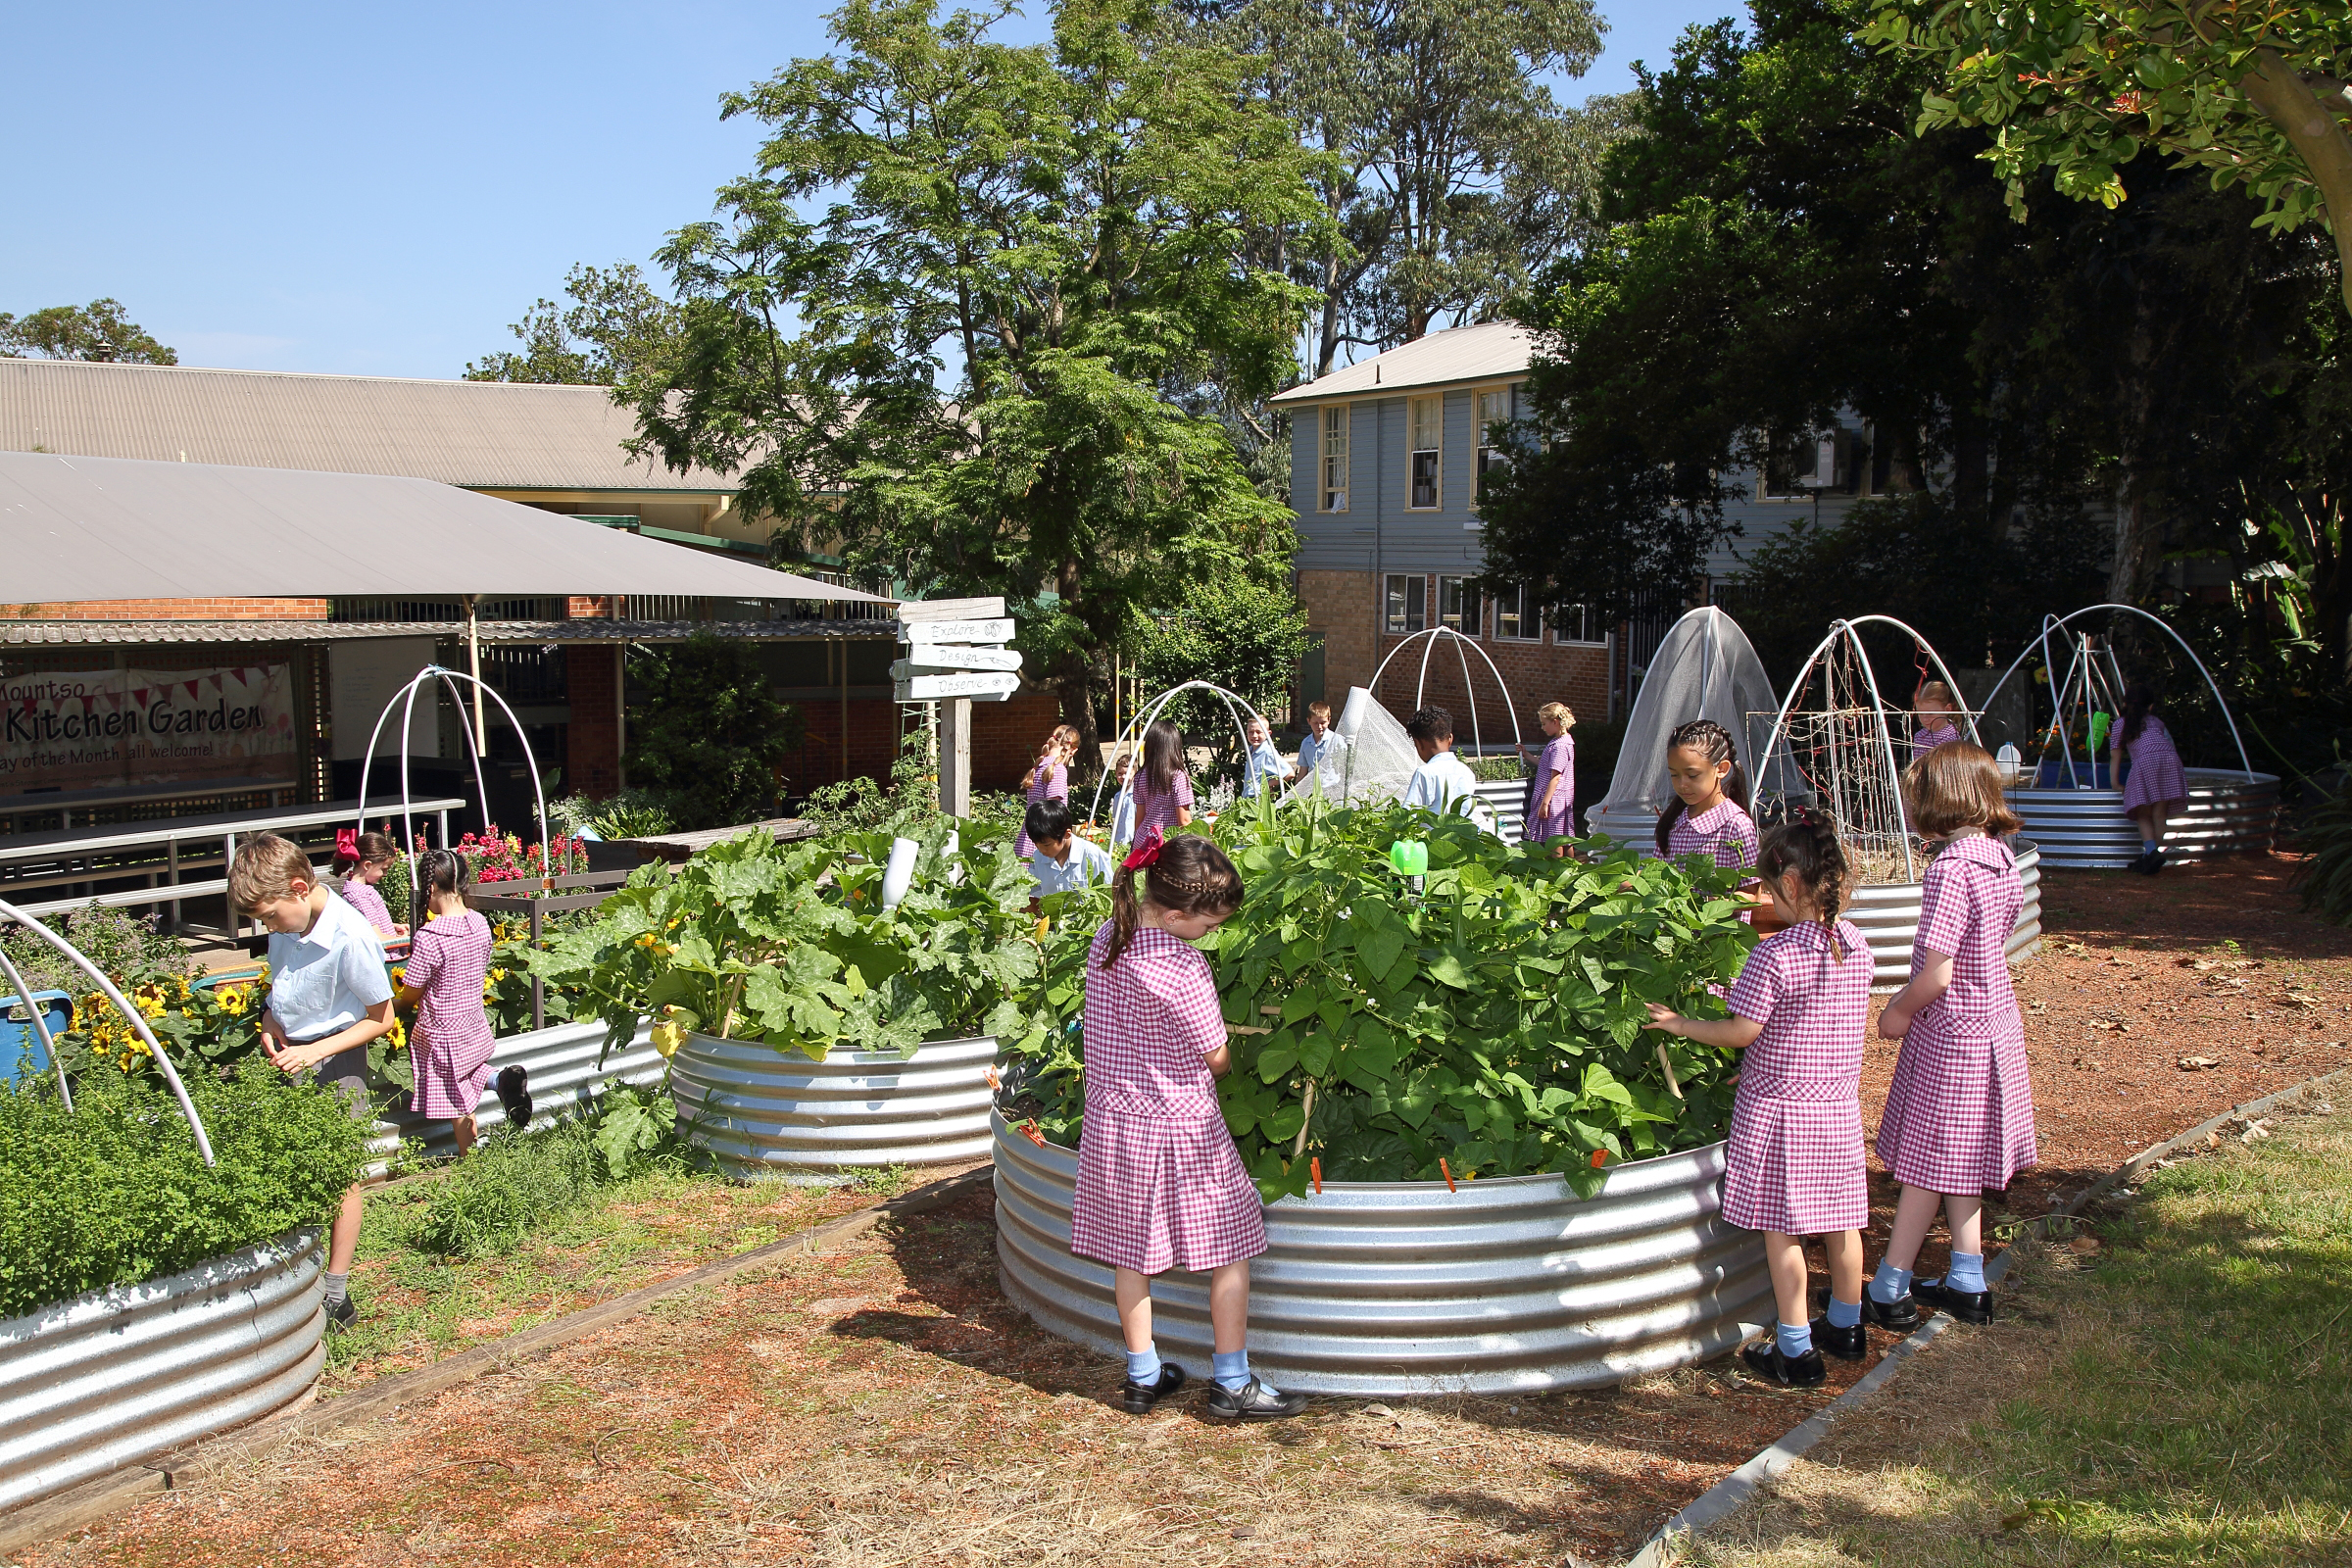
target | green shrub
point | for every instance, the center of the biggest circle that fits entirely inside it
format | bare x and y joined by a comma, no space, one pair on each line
629,815
509,1186
128,947
114,1193
2326,877
709,732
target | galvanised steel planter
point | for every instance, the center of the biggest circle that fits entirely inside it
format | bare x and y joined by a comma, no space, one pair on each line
2228,813
1405,1288
563,1067
763,1113
116,1376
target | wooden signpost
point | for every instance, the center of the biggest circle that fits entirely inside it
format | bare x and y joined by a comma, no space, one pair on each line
955,657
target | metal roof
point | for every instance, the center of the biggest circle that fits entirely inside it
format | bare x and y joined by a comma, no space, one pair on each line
76,634
85,528
484,435
1480,353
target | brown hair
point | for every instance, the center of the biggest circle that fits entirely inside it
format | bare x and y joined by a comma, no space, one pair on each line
1713,742
370,846
2144,699
266,868
1561,711
1063,737
1805,846
441,872
1163,759
1957,785
1192,876
1319,708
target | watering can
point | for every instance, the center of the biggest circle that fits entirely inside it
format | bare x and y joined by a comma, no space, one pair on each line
1409,857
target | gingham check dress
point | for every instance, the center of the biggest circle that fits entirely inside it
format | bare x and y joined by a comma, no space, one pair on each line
1050,783
448,961
1795,1162
1959,1114
1160,1183
1558,761
2156,778
1153,810
1927,740
1723,832
370,904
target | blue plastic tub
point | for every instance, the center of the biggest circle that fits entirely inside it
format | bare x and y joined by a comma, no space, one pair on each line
21,1051
2087,776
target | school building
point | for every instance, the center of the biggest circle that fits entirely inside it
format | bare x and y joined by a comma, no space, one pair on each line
561,661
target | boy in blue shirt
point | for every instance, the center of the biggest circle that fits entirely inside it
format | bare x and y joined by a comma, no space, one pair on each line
1266,762
328,997
1322,745
1061,860
1442,778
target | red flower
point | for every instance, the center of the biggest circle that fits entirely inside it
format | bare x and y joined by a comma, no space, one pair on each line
1601,1157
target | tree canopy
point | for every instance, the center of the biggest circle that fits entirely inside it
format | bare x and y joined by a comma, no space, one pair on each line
956,324
100,331
615,327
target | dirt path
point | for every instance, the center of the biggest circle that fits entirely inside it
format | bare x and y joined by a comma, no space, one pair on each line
886,1405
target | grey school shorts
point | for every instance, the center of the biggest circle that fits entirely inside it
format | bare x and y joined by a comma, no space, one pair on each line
346,1073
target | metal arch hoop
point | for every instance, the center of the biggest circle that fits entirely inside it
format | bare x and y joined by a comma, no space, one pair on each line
2048,621
1433,633
114,994
1878,702
1151,711
407,696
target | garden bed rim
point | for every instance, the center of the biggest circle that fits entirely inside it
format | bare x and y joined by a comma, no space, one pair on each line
855,1058
101,1302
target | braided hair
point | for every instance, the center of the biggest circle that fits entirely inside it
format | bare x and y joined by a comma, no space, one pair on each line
1804,845
1714,743
441,872
1189,876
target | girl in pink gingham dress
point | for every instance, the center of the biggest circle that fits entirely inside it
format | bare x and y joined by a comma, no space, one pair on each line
2157,786
361,860
1160,1185
1707,816
449,964
1163,790
1794,1165
1049,778
1959,1116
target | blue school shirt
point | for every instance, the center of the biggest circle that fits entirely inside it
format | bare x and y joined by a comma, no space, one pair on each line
1087,863
326,979
1265,762
1122,815
1318,750
1439,782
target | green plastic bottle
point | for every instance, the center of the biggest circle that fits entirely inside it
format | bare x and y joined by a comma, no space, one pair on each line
1409,857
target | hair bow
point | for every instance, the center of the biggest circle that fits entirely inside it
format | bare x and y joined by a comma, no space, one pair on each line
1146,851
347,843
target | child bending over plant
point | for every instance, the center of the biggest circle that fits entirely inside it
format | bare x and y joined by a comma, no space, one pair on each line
448,972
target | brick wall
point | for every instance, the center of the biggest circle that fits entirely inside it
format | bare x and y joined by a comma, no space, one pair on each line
873,744
592,740
587,606
172,610
1006,735
1339,609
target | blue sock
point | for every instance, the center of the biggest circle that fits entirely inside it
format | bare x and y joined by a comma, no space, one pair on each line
2148,846
1143,1366
1889,1283
1232,1370
1967,1272
1795,1338
1845,1314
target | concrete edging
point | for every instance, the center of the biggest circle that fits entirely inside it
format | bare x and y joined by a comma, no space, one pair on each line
1728,1495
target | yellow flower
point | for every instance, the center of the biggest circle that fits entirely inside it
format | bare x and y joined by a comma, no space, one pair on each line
232,999
667,1037
398,1037
498,974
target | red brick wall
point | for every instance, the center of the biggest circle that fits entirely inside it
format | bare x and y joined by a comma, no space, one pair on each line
172,610
592,742
1339,609
584,607
1006,735
873,744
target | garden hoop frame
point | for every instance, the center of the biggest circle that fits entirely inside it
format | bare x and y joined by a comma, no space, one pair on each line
112,994
2055,623
1149,711
1421,685
408,820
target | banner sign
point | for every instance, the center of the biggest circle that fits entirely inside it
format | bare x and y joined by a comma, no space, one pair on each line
100,729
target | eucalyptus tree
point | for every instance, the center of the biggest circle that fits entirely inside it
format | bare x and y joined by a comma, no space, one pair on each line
101,331
948,324
615,324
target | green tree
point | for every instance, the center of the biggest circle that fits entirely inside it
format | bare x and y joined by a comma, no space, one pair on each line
616,327
1241,632
2252,92
1063,234
707,732
98,331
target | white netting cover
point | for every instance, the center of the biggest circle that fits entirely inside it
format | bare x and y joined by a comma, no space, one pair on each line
1704,668
1376,760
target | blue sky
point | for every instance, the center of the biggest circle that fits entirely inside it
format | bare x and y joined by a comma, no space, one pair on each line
379,191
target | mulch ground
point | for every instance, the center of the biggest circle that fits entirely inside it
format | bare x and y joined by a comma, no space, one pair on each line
883,1404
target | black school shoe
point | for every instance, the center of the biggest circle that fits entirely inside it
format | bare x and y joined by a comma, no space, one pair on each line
1254,1403
1764,1358
1140,1397
1969,1306
341,1315
1900,1316
1847,1345
514,1095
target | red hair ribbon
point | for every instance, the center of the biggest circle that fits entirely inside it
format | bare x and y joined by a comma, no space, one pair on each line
1146,851
347,843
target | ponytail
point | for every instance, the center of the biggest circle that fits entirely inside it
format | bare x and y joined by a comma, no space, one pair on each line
1187,875
1805,846
441,872
2142,700
1714,743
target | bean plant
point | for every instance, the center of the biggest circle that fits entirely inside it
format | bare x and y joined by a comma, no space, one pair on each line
1488,1015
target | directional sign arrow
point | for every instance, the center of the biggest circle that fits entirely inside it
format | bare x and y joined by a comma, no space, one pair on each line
946,661
931,688
955,631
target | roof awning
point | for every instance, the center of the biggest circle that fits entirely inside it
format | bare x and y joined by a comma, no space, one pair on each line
146,633
85,528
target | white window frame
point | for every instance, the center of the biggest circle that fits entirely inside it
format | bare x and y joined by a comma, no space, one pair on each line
1559,633
1333,419
1482,450
1466,602
1413,451
1402,622
1521,613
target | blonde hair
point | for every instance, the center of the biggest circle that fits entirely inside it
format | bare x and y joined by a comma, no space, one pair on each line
1935,691
265,869
1955,785
1064,738
1323,709
1558,712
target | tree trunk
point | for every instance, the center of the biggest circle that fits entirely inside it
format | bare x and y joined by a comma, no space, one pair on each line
2318,138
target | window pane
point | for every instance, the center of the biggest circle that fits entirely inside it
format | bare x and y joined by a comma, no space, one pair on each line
1335,459
1427,424
1406,604
1425,480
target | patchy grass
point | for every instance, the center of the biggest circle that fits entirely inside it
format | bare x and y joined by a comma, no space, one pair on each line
2176,1396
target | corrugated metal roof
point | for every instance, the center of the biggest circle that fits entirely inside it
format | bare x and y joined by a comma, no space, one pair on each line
83,528
1463,354
484,435
74,633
